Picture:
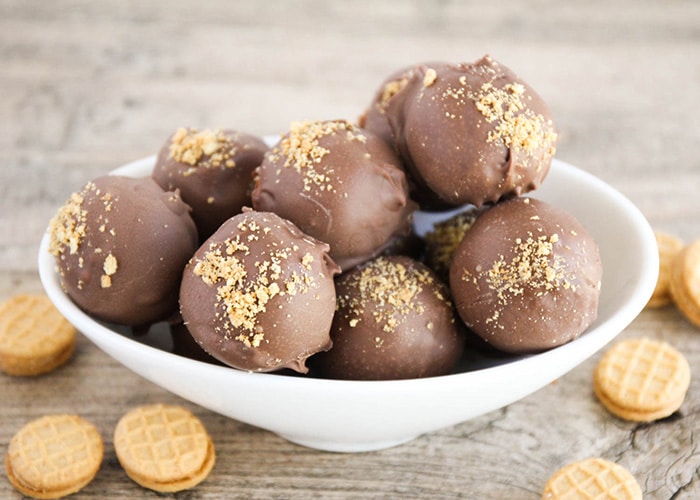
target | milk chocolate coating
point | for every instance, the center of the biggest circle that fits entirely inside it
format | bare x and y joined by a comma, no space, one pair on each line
258,295
469,133
213,169
120,246
394,320
526,277
339,184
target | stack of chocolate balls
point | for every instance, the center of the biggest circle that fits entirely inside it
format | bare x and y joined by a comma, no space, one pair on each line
302,255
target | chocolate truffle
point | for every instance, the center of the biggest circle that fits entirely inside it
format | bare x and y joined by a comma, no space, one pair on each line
526,277
339,184
470,133
120,246
394,320
258,295
212,169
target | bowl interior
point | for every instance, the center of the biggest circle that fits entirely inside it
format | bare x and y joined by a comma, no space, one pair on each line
360,416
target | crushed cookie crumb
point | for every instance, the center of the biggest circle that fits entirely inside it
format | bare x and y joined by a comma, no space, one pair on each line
110,265
241,294
390,288
535,264
68,227
390,90
206,148
307,260
303,152
430,77
445,237
516,125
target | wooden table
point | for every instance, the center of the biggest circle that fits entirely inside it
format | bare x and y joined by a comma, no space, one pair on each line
86,86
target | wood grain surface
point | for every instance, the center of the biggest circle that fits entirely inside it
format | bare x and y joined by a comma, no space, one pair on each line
87,86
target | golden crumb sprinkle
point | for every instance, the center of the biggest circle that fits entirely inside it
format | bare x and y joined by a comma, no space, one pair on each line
535,264
445,237
304,153
430,77
205,148
389,90
389,289
242,294
517,126
105,281
69,225
110,265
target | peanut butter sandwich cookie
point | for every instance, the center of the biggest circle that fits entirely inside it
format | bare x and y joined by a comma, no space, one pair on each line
164,448
669,248
685,282
642,380
34,337
592,478
54,456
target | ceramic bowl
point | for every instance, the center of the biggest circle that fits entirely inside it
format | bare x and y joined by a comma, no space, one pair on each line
354,416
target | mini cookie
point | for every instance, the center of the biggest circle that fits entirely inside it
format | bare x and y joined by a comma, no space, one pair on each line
592,478
54,456
34,337
669,248
164,448
685,282
642,380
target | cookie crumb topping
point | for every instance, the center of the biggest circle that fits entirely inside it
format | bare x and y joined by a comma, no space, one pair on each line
446,236
430,77
206,148
68,226
389,90
303,152
517,126
391,289
110,268
243,295
535,264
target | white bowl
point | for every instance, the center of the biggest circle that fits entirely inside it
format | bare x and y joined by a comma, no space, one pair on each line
353,416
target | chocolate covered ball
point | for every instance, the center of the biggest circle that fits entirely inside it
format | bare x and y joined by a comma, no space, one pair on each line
394,320
470,133
120,246
339,184
526,277
258,295
212,169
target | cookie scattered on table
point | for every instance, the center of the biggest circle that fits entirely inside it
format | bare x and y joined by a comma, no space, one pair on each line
669,248
642,380
164,447
34,337
54,456
685,282
592,478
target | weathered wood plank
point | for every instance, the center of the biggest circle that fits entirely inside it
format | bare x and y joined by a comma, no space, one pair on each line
87,86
